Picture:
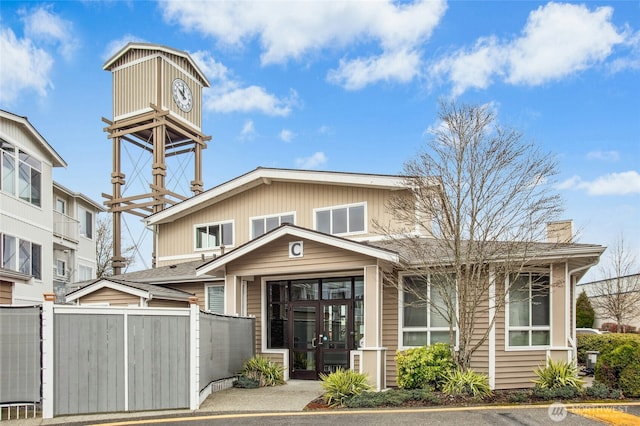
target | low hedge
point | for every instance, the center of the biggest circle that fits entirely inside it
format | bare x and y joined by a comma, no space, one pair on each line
620,369
602,343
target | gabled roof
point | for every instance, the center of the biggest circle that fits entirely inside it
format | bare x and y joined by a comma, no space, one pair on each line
146,291
169,274
156,47
264,176
79,195
56,159
296,231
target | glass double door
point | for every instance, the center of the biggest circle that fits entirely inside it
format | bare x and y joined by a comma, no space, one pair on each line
321,334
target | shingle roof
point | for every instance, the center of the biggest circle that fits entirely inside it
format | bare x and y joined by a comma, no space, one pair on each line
155,291
175,273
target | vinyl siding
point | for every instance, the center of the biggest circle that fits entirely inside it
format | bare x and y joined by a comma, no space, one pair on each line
177,238
111,296
390,330
197,289
159,303
273,259
5,292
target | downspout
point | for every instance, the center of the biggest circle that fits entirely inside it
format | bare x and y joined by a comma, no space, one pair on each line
571,273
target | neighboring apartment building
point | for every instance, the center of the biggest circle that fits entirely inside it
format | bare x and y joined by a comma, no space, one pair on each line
299,251
41,248
622,295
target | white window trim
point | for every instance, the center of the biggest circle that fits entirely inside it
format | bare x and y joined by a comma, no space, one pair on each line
233,235
269,216
402,329
81,219
263,324
206,297
64,268
342,206
507,327
64,205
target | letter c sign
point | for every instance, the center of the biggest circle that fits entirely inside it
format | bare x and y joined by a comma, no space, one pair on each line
296,249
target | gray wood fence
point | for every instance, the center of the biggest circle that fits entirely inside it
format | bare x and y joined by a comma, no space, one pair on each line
107,359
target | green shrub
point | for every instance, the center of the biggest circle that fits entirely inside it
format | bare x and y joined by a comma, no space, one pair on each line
343,384
390,398
459,382
246,383
599,390
263,371
620,368
602,343
423,367
519,396
557,375
563,392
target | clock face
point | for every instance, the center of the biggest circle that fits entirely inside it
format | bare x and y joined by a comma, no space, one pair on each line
182,95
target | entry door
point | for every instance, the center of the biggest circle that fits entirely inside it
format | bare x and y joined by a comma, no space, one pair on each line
321,337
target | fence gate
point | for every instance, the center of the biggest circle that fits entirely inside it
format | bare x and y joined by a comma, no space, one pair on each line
109,359
20,359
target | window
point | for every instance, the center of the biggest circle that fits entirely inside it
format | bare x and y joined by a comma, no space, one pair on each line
262,225
277,318
8,166
215,299
86,222
214,235
341,219
61,268
529,310
423,306
21,256
29,178
61,206
85,273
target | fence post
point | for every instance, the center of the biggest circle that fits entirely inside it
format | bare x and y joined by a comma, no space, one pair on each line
47,356
194,353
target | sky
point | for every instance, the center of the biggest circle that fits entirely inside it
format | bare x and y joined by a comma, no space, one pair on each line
347,86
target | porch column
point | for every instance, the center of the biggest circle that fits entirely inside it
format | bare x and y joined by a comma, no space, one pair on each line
233,295
373,360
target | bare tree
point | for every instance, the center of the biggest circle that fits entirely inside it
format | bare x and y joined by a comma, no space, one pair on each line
480,199
617,296
104,248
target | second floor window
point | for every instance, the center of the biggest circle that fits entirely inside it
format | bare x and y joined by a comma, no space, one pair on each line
214,235
262,225
28,180
349,219
86,222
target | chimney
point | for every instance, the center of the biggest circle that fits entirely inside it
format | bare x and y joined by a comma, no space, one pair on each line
560,232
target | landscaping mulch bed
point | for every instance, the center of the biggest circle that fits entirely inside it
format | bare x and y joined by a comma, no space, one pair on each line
499,397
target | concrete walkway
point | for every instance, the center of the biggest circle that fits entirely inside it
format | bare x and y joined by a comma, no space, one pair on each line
293,396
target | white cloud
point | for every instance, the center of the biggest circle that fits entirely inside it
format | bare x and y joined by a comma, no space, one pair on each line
292,30
227,95
624,183
248,131
42,25
557,41
603,155
401,66
316,160
23,67
287,135
326,130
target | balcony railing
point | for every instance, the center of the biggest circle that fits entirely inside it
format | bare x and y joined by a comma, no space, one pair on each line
65,226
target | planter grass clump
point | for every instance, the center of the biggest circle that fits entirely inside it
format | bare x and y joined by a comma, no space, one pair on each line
466,382
392,398
342,385
263,371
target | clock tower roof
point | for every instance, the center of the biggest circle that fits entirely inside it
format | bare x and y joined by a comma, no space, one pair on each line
114,61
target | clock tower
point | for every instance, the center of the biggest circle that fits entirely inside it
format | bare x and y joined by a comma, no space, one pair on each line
157,108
